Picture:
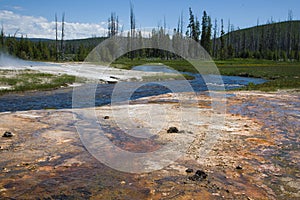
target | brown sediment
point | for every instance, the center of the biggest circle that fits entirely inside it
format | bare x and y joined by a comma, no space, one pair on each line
256,156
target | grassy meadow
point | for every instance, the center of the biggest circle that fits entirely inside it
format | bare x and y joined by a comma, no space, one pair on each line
25,80
280,75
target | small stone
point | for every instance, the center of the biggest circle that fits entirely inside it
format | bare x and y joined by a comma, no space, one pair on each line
152,192
201,173
5,170
3,189
113,77
106,117
189,170
123,182
239,167
172,130
199,176
7,134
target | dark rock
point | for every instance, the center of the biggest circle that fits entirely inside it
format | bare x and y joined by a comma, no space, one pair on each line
199,176
189,170
239,167
201,173
7,134
113,77
106,117
112,82
172,130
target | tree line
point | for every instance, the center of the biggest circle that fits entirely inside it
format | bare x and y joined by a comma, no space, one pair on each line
47,49
272,41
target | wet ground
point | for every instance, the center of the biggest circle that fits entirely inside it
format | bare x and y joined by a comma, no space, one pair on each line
256,156
62,98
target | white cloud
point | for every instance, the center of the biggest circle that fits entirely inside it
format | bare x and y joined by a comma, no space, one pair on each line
40,27
17,8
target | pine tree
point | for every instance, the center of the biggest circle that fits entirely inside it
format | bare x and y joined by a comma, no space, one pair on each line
132,30
206,32
193,30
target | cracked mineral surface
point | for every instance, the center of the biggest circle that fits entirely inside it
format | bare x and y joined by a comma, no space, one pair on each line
256,155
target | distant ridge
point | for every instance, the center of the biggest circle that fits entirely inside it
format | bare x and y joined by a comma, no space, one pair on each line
269,41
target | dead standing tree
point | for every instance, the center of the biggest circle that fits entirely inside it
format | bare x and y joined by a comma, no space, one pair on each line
59,50
56,38
62,36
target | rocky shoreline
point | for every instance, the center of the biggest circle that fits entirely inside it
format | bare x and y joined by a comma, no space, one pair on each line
256,156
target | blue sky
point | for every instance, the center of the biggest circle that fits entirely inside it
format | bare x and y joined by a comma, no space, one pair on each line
90,16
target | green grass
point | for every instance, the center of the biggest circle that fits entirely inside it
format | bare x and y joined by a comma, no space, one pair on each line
25,80
168,77
180,65
280,75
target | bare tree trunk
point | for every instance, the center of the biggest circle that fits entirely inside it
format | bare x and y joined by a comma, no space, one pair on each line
56,39
62,36
228,34
215,40
289,39
181,23
257,36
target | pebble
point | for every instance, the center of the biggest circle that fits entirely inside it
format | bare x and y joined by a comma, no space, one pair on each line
106,117
123,182
3,190
189,170
7,134
5,170
199,176
172,130
239,167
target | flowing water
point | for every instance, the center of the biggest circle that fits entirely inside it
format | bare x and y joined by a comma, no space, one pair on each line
62,98
280,115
